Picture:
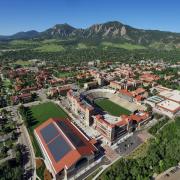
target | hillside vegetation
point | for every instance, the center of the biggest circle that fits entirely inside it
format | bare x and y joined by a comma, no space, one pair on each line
113,34
159,157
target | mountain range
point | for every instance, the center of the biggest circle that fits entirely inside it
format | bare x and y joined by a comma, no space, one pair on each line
113,31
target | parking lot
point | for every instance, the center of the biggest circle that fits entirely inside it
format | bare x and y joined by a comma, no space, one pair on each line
128,145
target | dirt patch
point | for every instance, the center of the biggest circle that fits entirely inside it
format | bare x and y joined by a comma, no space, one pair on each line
47,175
31,138
39,163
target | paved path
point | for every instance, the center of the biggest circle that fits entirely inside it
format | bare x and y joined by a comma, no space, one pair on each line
25,139
104,167
172,173
91,170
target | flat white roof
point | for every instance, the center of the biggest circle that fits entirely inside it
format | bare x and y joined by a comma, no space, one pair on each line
172,95
169,105
111,119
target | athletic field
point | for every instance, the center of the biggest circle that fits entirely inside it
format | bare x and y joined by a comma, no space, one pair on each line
43,112
111,107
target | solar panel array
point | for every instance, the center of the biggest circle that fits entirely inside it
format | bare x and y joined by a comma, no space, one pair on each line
75,140
49,132
59,147
56,143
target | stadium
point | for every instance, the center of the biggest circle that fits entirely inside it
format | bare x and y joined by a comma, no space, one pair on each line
96,96
113,116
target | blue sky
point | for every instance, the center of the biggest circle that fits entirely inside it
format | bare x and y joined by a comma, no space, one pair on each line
23,15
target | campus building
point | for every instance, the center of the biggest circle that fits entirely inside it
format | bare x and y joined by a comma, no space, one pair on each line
168,107
125,84
65,148
166,102
113,128
149,78
154,100
56,91
91,85
172,95
125,94
80,107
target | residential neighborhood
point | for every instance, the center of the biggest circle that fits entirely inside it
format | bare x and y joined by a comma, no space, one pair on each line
105,107
89,90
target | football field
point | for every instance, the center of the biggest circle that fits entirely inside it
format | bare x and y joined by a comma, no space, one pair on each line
39,114
111,107
43,112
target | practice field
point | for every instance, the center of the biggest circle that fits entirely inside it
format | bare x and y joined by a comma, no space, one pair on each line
45,111
41,113
111,107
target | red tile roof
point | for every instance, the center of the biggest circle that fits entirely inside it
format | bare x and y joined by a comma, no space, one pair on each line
139,91
138,118
126,92
75,153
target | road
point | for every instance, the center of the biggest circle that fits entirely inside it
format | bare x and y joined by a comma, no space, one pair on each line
103,161
172,173
28,161
29,164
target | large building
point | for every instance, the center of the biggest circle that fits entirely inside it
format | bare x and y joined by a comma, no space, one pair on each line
125,84
172,95
113,128
166,102
91,85
125,94
65,148
149,78
154,100
168,107
80,107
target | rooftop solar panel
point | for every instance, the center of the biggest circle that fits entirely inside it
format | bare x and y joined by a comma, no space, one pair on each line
59,147
76,141
49,132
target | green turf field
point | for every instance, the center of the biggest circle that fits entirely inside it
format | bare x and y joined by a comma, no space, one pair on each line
65,74
111,107
41,113
45,111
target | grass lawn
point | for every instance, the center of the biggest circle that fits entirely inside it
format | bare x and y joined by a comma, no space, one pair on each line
22,42
40,167
41,113
154,129
22,63
111,107
65,74
141,151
